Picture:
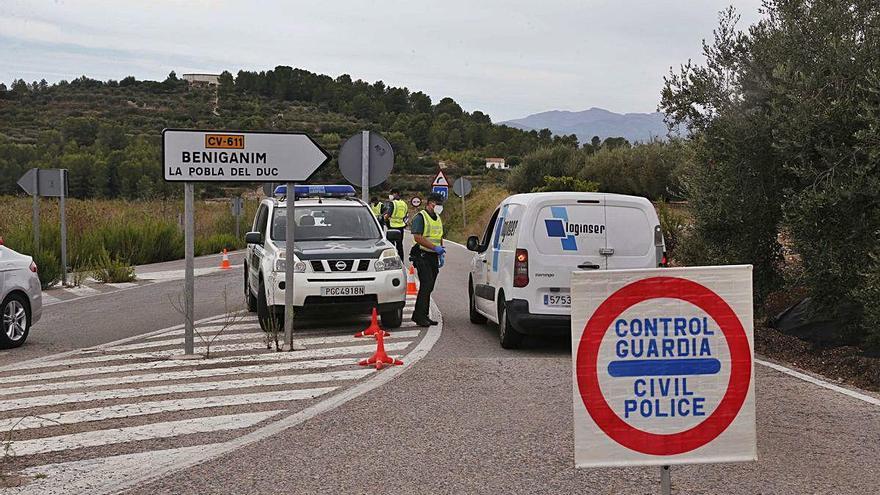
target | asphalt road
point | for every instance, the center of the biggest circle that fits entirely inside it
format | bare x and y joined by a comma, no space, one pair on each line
105,317
474,418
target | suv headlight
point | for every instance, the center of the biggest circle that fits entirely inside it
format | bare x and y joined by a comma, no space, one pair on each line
388,261
281,266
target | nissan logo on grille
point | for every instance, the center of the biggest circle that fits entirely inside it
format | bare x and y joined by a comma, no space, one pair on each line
340,265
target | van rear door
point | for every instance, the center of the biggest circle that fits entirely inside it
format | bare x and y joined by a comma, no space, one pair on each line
630,233
569,235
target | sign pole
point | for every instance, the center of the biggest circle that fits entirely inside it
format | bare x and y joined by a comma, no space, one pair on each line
288,269
37,211
665,481
463,214
63,232
188,285
365,166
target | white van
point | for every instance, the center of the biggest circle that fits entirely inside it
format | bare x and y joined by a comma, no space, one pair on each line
520,274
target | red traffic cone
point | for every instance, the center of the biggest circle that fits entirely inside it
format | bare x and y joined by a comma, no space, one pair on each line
374,328
224,265
380,358
411,289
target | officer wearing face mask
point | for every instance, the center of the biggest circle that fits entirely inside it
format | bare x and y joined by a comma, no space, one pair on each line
395,217
427,255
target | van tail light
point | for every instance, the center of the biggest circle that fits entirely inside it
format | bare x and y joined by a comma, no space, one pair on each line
663,261
33,267
521,268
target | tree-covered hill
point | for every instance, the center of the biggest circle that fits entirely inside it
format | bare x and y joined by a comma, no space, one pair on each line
107,133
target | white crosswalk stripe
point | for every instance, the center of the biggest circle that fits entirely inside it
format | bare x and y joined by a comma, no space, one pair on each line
155,407
128,393
135,433
133,393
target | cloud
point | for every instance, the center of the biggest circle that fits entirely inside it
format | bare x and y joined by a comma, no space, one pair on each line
507,57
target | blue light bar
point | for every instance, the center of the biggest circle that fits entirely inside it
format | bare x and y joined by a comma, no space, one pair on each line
306,191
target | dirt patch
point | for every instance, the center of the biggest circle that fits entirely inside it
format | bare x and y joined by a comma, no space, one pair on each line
842,364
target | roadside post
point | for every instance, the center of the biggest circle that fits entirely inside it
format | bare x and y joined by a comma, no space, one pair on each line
440,185
48,182
462,187
237,208
191,156
663,367
366,160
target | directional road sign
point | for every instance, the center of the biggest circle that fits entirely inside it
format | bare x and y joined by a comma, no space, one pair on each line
239,156
46,182
663,366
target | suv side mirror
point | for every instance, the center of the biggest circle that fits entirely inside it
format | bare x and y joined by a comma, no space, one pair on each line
473,243
253,238
393,235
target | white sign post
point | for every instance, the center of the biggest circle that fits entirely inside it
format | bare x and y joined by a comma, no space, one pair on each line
238,156
663,367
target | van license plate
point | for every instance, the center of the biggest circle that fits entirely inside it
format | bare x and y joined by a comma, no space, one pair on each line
557,300
343,291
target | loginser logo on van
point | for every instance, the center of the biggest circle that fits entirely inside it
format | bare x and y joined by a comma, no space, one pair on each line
568,232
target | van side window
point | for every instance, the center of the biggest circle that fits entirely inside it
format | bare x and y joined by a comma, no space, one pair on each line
487,236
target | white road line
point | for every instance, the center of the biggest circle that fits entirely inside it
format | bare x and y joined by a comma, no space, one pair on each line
180,388
121,285
46,420
257,343
50,300
155,365
177,375
335,339
82,290
166,429
177,274
815,381
178,341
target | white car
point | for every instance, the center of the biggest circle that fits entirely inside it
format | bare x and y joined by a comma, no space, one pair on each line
521,273
343,262
21,300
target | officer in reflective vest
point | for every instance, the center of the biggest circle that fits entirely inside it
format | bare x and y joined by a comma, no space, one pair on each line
427,255
395,217
376,208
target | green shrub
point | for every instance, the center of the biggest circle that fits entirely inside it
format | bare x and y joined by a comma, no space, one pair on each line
566,183
557,161
112,270
673,225
216,243
48,268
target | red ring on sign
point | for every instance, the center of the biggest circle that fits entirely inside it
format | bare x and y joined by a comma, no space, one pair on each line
740,366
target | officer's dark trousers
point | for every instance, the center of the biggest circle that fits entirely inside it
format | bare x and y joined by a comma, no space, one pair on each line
399,243
428,266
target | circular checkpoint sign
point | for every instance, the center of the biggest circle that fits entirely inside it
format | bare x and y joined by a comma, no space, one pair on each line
588,378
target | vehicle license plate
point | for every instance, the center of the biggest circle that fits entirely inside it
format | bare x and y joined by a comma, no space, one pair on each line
557,300
343,291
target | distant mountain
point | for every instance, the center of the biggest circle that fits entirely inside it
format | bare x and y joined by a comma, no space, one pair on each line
596,122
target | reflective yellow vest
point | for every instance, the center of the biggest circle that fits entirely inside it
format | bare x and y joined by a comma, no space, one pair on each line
398,214
377,209
433,230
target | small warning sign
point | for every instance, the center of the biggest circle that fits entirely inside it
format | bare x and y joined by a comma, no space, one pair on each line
440,180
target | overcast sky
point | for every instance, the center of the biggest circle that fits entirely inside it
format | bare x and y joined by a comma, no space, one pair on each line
509,58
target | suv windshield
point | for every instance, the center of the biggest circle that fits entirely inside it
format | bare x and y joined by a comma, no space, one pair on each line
322,223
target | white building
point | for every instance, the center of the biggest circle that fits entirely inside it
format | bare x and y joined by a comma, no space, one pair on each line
205,79
496,163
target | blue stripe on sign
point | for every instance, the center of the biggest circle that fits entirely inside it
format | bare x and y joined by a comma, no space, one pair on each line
664,367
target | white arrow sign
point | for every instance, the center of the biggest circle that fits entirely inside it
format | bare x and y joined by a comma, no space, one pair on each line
239,156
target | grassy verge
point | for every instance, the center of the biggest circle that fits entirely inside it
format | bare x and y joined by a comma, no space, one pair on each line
126,232
481,203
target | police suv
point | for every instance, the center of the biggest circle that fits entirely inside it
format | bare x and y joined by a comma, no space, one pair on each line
343,264
521,270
